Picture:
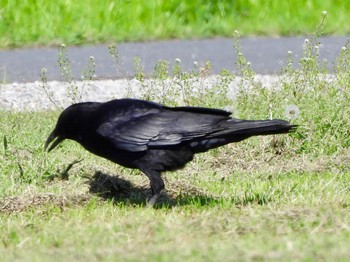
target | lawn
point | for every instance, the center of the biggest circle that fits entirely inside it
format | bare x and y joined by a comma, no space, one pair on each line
283,197
38,22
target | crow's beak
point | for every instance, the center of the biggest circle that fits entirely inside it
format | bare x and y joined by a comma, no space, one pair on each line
56,140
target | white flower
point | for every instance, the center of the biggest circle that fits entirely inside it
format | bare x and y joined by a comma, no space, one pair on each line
292,112
178,60
290,52
324,12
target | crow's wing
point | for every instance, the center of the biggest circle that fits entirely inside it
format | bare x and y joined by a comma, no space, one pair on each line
161,128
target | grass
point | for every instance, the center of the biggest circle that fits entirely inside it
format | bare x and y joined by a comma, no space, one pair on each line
167,235
37,22
279,198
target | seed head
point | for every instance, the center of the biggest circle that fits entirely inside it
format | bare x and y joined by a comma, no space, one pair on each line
292,112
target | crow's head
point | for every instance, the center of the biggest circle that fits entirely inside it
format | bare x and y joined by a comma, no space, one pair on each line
71,124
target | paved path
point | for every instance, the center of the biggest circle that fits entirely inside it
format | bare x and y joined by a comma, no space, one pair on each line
266,55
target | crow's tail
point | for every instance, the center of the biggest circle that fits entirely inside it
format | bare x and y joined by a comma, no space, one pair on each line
235,130
241,129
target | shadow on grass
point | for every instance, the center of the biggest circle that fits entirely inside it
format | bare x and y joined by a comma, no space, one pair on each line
120,190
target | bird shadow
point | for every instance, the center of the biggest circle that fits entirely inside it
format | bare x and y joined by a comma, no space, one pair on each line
116,189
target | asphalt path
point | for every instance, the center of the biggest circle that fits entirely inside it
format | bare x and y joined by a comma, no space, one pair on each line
267,56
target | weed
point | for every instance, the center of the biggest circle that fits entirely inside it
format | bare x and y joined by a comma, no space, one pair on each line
49,93
118,63
73,91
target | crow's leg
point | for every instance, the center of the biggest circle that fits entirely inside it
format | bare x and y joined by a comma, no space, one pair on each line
157,185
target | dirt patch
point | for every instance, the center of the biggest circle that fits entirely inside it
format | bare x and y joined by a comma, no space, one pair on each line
25,202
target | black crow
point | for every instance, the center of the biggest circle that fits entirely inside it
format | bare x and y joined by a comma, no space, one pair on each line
151,137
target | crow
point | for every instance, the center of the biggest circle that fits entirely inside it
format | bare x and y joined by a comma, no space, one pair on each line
151,137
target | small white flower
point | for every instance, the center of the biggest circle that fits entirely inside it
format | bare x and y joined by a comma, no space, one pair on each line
44,70
290,52
324,12
306,41
317,47
178,60
343,48
63,45
92,57
292,112
195,63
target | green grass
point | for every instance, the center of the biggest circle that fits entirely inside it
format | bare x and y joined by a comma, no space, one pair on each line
283,198
38,22
110,233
